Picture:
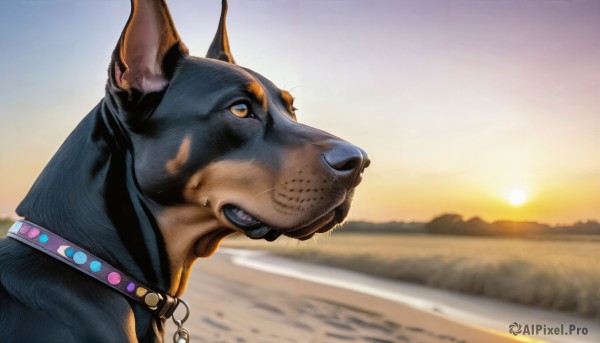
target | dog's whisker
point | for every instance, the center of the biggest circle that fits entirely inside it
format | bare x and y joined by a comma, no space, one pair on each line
265,191
292,89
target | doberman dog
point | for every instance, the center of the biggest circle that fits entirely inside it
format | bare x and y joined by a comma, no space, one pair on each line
181,152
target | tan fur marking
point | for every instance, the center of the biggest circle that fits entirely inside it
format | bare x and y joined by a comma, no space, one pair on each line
174,166
288,100
287,97
255,88
278,195
181,228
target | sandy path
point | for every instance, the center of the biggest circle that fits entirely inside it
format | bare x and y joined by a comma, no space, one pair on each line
236,304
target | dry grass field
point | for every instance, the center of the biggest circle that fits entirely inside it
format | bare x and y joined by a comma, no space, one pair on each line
4,226
556,274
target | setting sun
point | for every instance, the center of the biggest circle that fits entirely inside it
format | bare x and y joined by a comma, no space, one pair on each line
517,197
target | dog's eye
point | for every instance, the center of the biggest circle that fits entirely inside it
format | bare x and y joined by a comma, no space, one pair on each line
241,110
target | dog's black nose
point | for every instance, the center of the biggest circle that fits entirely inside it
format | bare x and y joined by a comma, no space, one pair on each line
346,162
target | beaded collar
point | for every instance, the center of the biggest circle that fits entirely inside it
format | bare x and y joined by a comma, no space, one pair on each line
61,249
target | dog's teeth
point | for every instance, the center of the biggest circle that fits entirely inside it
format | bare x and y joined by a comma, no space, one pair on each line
244,216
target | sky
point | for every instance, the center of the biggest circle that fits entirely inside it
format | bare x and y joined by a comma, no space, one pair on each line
458,103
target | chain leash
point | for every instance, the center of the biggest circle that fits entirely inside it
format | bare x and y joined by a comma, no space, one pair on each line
182,335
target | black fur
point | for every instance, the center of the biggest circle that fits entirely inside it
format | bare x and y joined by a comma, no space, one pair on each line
100,189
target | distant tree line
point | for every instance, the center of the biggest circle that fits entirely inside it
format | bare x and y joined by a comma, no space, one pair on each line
389,227
454,224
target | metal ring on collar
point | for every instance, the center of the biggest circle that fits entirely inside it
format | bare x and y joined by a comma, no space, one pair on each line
180,322
181,336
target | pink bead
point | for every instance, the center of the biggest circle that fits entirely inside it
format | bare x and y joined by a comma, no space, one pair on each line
33,233
24,229
114,278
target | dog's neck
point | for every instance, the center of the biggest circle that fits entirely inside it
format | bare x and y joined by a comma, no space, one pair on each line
181,227
87,194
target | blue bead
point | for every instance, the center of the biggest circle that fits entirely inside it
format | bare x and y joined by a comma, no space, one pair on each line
80,257
95,266
69,252
43,238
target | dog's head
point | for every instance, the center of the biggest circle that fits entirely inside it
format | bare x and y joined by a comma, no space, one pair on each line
217,147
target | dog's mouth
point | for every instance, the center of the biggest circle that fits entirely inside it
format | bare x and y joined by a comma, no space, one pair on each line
254,228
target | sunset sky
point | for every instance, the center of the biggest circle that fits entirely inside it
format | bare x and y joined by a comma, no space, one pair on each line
459,103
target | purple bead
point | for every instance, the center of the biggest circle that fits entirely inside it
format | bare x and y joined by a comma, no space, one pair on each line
130,287
24,229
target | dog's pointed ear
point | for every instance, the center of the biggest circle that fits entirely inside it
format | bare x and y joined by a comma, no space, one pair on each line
219,48
143,57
